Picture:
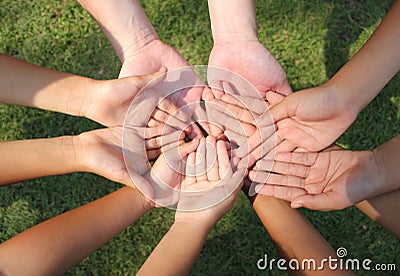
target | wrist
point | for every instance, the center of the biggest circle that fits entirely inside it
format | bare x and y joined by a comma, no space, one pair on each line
80,97
341,96
387,159
70,154
195,229
233,20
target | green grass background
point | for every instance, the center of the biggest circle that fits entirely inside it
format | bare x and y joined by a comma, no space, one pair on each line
311,39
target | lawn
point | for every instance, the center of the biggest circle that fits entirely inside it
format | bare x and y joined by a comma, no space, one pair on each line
311,39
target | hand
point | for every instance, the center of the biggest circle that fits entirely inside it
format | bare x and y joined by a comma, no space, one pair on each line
209,185
240,116
102,151
166,175
312,119
152,56
252,61
108,101
329,180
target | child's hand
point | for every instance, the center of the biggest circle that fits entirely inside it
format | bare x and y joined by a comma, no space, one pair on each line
167,173
324,181
210,188
241,117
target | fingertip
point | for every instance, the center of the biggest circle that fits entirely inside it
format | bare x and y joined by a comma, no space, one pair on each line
296,204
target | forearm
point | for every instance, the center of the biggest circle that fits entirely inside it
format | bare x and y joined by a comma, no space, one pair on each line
123,22
30,85
233,19
293,235
54,246
384,209
28,159
387,157
364,76
177,251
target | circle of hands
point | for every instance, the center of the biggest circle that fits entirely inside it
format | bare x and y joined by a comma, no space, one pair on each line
279,140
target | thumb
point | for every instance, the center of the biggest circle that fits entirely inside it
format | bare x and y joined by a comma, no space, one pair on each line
282,110
148,81
321,202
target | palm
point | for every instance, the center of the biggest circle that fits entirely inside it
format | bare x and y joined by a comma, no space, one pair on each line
343,177
252,61
311,119
150,58
102,151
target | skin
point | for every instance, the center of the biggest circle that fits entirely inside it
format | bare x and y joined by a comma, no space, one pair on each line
61,242
333,179
235,38
179,248
301,242
135,41
300,118
105,102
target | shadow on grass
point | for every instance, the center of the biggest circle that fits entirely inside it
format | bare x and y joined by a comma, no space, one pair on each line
346,22
379,121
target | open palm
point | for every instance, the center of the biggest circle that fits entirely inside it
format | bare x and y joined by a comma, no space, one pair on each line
324,181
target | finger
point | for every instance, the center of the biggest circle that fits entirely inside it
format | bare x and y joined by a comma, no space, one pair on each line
281,192
169,120
200,116
208,95
235,112
201,174
224,165
173,159
168,107
255,140
276,179
190,175
302,158
153,154
255,105
211,159
273,98
322,202
235,137
282,168
150,80
217,89
152,132
161,141
285,146
258,153
154,123
215,130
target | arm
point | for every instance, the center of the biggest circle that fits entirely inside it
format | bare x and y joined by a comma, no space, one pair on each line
364,76
294,236
300,118
30,85
242,23
29,159
105,102
234,28
98,151
61,242
333,179
124,23
177,251
384,210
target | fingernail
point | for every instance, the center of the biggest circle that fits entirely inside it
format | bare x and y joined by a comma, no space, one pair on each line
296,205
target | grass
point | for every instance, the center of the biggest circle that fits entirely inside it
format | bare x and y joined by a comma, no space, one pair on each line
311,39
